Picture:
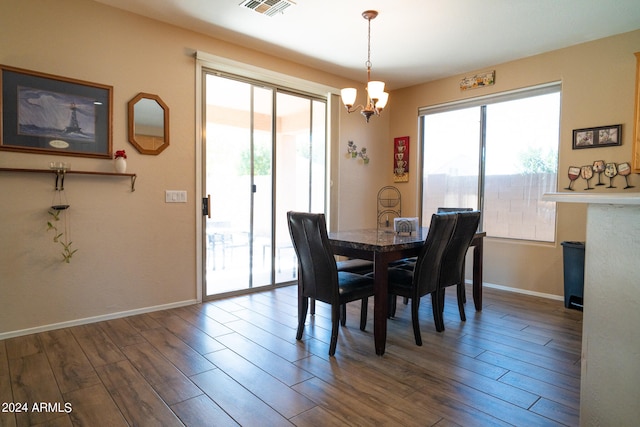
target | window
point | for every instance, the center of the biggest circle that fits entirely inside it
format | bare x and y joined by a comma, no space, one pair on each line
498,154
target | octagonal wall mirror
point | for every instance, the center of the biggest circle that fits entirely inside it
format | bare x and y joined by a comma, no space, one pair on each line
148,123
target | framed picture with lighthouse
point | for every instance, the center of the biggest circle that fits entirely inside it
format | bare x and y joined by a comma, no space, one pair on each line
43,113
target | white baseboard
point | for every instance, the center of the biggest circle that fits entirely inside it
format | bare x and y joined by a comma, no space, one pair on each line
521,291
87,320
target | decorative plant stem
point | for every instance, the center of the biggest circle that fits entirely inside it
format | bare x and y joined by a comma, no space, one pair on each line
60,236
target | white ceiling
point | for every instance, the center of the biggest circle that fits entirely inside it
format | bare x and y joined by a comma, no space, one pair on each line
412,41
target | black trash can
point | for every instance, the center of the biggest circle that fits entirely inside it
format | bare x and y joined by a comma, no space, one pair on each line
573,258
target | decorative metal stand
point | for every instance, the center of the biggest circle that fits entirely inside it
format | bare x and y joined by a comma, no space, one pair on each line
404,227
389,206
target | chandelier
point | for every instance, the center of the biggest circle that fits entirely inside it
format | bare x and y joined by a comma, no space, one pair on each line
376,96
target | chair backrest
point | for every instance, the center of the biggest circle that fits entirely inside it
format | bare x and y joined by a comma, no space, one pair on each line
453,258
442,210
318,274
427,268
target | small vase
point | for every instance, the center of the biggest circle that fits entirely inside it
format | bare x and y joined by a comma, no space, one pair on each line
120,165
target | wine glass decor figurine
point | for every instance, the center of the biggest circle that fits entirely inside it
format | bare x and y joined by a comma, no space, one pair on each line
624,169
586,172
598,167
574,173
610,171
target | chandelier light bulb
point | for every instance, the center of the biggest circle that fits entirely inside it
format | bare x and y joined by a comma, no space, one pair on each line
349,95
382,101
375,90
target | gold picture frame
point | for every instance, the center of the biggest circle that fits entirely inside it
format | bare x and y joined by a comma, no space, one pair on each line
47,114
636,121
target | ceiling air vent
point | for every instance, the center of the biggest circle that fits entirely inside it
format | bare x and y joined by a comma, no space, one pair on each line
268,7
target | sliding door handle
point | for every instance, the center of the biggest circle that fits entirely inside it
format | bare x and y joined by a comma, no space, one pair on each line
206,206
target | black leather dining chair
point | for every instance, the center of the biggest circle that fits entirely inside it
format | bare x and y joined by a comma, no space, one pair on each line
452,266
353,265
453,209
445,209
408,263
423,279
318,276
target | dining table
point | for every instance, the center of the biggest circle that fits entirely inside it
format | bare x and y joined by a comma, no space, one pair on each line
383,246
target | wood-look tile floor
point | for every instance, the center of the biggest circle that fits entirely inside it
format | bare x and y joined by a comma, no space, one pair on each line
235,361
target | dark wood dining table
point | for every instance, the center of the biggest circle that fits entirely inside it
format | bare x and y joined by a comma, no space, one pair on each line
383,246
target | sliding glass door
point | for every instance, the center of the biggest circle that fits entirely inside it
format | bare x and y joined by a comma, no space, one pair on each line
264,155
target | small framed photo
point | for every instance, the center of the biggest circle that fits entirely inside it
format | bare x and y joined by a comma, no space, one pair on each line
603,136
42,113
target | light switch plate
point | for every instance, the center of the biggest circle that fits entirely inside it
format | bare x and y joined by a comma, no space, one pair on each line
175,196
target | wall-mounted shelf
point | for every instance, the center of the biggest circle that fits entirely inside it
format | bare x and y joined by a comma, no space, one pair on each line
61,173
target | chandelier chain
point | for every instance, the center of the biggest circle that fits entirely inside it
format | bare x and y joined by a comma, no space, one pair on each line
368,63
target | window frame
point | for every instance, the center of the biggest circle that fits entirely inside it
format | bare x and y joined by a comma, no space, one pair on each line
482,102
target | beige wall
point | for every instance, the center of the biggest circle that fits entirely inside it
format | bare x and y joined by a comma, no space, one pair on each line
135,252
597,89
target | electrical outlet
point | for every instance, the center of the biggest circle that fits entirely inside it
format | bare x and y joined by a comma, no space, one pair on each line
175,196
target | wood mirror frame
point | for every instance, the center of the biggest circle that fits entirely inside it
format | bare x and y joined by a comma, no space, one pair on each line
148,123
635,152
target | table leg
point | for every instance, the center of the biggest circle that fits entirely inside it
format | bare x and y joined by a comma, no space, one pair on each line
477,273
380,306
